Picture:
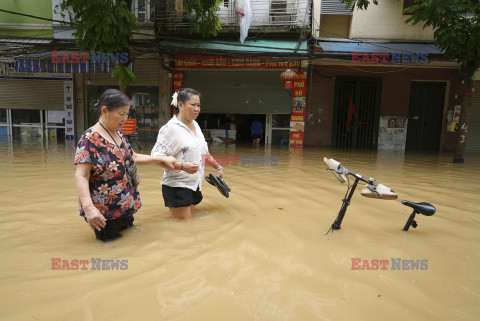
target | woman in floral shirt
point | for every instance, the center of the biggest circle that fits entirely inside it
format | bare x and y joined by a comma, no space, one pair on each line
105,175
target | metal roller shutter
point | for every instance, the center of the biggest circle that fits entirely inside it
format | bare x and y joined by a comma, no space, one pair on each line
473,140
335,7
31,94
240,92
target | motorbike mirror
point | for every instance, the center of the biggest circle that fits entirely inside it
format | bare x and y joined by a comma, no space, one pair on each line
385,192
333,164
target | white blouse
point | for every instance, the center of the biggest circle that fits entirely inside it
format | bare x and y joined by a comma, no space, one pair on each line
177,140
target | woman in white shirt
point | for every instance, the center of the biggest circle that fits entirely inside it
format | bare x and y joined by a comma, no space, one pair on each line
183,139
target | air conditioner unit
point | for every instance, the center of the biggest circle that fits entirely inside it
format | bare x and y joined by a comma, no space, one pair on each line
283,11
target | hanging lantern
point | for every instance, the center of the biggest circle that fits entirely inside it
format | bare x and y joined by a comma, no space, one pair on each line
288,76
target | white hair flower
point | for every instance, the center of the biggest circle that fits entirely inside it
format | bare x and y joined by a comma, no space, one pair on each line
175,99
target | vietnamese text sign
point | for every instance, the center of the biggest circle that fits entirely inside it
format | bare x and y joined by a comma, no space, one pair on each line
197,61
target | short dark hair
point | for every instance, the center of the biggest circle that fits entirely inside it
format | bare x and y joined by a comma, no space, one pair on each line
184,94
112,99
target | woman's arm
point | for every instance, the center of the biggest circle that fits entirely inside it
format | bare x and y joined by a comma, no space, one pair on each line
209,160
167,162
94,218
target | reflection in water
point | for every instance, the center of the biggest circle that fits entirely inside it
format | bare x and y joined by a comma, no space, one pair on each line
261,254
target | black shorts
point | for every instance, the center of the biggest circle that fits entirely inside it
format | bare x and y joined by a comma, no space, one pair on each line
257,136
113,227
180,196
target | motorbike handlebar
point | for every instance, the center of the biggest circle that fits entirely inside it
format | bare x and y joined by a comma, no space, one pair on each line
373,190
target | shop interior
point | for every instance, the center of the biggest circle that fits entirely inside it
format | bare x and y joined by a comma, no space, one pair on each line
236,128
32,123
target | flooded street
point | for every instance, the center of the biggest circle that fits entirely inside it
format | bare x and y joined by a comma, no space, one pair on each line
261,254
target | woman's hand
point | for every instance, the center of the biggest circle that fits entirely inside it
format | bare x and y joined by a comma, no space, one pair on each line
95,219
189,167
221,174
167,162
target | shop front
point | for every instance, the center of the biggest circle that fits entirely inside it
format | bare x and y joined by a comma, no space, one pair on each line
36,105
383,100
235,92
150,100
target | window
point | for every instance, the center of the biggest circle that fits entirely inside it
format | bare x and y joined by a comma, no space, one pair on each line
25,116
143,9
279,11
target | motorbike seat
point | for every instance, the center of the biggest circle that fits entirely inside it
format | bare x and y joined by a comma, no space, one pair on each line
424,208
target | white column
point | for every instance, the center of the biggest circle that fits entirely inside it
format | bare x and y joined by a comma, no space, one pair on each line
268,130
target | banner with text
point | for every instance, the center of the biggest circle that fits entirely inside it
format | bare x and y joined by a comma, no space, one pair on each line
197,61
68,103
177,84
297,117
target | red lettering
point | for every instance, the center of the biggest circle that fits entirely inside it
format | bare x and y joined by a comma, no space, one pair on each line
74,57
84,57
365,58
55,263
374,265
384,57
56,56
234,160
384,264
365,265
355,263
225,160
375,58
84,264
356,57
65,265
74,265
204,159
66,57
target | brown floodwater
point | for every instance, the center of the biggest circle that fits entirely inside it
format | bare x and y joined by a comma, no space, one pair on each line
261,254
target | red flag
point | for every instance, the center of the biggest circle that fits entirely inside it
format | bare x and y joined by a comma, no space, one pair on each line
351,112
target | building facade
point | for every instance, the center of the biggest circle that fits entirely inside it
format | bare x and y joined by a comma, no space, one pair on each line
238,81
30,97
377,82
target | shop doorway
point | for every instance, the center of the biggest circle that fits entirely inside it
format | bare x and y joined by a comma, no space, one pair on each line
427,100
243,95
229,127
218,127
356,112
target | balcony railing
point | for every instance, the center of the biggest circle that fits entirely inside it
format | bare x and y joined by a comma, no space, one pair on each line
282,14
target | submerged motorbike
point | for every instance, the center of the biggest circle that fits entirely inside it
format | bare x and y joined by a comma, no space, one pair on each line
372,190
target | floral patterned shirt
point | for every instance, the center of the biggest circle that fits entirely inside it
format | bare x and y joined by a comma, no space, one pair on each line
111,189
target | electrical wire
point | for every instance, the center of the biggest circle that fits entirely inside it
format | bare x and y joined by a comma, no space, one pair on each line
295,50
292,57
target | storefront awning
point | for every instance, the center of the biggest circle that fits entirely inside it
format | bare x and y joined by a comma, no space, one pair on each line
342,47
249,47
